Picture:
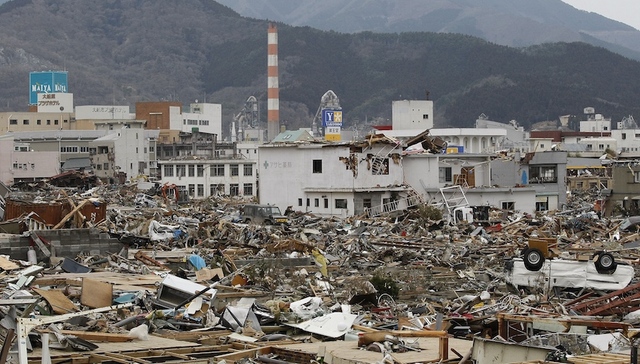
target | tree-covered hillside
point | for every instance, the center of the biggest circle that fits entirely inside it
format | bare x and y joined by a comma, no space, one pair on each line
125,51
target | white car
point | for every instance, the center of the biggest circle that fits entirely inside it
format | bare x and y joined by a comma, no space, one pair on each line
569,273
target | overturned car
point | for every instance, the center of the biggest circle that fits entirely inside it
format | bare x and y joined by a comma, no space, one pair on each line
540,266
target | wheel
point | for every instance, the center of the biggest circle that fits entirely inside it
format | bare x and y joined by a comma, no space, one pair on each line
533,259
605,263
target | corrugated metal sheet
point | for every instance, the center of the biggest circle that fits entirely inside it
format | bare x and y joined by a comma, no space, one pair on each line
52,212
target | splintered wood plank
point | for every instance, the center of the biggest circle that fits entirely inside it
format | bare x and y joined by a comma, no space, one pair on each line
57,300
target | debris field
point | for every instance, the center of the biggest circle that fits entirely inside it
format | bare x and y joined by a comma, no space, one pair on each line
120,274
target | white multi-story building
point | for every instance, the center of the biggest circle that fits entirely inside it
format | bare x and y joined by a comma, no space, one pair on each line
594,122
124,153
18,162
203,176
332,179
203,117
597,146
627,142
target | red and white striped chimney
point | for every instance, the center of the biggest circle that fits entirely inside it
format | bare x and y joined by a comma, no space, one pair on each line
273,91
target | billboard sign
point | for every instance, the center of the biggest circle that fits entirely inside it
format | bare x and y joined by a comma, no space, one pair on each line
46,83
332,133
331,118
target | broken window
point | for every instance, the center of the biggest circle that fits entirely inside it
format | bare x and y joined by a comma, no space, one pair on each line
380,166
317,166
542,206
316,202
168,170
235,169
181,170
366,203
217,170
445,174
543,174
215,188
248,170
200,190
234,189
192,170
509,205
200,170
192,190
247,189
341,203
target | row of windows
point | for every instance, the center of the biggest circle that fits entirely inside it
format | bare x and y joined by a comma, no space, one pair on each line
23,166
216,170
75,149
38,122
234,189
339,203
196,122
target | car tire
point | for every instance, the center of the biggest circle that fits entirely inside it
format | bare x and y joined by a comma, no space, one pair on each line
533,259
605,263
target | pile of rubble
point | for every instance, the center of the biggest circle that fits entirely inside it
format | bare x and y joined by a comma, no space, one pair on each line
150,278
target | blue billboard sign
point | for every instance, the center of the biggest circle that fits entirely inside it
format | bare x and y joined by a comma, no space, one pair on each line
331,117
47,82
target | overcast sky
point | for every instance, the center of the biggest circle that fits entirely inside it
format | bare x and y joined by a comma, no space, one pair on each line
626,11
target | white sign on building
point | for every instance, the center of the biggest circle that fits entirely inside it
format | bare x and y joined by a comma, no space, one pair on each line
103,112
55,102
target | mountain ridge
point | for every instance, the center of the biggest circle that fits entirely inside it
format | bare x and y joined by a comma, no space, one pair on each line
125,51
515,23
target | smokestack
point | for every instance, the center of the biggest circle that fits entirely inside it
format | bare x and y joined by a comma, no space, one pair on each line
273,91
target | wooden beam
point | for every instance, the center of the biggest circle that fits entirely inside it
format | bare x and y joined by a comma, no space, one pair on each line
70,214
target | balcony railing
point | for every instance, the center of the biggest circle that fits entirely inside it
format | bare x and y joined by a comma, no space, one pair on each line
391,206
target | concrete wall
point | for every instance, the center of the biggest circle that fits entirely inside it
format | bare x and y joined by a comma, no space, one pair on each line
67,243
412,114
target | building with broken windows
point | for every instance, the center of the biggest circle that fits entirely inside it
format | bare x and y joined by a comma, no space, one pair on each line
204,177
458,180
624,195
337,179
123,153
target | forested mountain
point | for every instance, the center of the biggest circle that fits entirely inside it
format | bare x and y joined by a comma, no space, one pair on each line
515,23
124,51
